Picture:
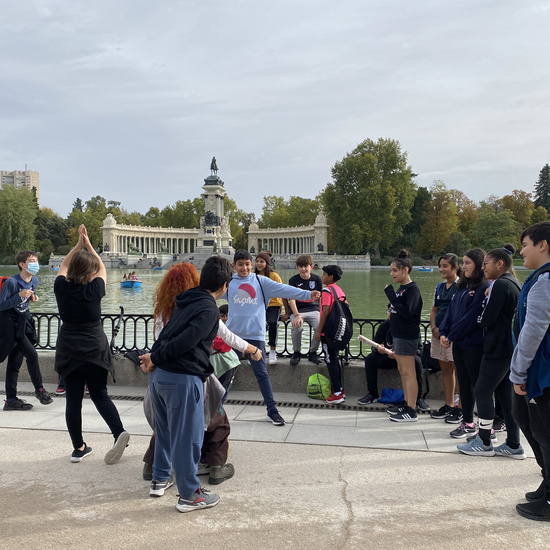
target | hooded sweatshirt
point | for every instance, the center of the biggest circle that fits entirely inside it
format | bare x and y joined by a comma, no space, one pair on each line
247,299
184,344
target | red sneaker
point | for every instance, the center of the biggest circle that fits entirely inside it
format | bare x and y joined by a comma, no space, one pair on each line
336,398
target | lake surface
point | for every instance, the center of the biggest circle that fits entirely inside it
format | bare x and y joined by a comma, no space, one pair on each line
364,290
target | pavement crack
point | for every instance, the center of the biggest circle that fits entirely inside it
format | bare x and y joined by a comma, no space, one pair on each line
350,519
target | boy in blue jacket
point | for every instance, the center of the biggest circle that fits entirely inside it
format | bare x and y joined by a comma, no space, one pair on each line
530,368
179,364
17,333
247,296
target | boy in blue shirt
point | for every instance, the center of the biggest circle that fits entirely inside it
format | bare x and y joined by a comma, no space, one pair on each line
247,296
17,333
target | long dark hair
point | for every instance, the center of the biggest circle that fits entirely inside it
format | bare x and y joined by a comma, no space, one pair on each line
505,254
453,260
477,255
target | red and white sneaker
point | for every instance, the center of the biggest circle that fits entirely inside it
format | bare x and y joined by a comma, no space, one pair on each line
336,398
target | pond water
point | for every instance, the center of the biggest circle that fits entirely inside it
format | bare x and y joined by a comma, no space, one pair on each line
364,290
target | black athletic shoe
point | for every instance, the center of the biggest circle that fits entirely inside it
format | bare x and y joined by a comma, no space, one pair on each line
397,408
77,455
538,510
442,412
275,418
17,405
368,399
408,414
531,496
295,359
43,396
313,358
455,417
422,406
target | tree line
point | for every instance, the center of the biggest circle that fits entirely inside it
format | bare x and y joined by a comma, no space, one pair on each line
373,206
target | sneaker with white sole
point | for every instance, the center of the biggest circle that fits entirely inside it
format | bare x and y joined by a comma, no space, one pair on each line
422,406
115,454
275,418
397,408
455,417
336,398
505,450
476,447
158,487
78,455
203,469
368,399
442,412
272,357
408,414
197,501
464,430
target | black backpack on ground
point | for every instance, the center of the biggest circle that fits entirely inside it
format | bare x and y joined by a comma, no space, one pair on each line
338,327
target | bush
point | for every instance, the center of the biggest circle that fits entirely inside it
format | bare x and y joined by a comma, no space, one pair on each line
63,249
380,261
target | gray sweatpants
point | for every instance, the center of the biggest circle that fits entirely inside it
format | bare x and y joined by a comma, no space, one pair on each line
312,318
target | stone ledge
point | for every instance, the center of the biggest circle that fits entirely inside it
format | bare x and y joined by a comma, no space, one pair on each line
284,377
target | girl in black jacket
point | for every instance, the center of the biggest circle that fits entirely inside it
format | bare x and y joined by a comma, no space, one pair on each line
496,320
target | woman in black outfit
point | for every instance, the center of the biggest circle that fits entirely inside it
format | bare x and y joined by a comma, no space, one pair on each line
493,378
82,354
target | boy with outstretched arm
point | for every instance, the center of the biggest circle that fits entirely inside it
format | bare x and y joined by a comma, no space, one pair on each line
331,275
179,365
304,311
17,332
247,296
530,368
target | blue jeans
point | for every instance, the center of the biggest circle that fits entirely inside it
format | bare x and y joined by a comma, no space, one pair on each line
260,372
179,426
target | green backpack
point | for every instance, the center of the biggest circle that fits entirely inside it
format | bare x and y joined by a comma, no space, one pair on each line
318,387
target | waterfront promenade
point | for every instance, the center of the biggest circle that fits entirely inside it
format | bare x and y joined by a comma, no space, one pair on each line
329,478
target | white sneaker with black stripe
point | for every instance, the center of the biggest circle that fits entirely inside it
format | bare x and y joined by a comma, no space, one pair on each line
407,414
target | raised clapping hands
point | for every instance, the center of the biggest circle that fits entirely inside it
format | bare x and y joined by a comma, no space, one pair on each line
83,239
145,363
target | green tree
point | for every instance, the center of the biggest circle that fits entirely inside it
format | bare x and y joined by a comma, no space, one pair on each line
520,204
368,203
18,212
152,217
539,214
51,229
466,212
411,233
542,188
440,220
295,212
495,228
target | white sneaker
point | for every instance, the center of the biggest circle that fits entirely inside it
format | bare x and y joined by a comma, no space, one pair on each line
272,357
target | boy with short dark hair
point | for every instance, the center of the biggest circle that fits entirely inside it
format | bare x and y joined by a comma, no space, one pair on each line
247,299
331,275
179,364
530,368
17,332
304,311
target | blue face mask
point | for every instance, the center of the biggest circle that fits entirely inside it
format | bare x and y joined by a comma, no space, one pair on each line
33,268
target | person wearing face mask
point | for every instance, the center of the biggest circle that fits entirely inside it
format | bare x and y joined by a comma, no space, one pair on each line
17,332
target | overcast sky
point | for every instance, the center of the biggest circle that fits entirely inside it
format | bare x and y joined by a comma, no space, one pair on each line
130,99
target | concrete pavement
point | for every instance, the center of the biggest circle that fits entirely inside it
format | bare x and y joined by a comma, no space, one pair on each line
328,478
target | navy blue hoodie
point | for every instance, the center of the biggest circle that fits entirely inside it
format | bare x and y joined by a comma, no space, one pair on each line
460,324
184,344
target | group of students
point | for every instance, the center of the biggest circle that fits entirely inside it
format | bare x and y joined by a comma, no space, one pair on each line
491,336
471,318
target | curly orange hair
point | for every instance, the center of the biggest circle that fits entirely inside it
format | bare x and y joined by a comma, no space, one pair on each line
180,277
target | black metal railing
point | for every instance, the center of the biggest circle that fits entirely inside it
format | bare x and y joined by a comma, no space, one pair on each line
137,332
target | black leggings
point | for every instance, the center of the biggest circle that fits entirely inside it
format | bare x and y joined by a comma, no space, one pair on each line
375,361
493,379
520,410
23,348
75,383
467,363
272,320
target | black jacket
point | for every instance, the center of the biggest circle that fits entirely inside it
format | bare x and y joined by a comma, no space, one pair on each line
496,318
405,310
184,344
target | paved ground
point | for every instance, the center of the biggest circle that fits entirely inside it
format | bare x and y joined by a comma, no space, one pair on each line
329,478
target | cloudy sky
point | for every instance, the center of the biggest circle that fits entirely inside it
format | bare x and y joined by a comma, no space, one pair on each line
130,99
